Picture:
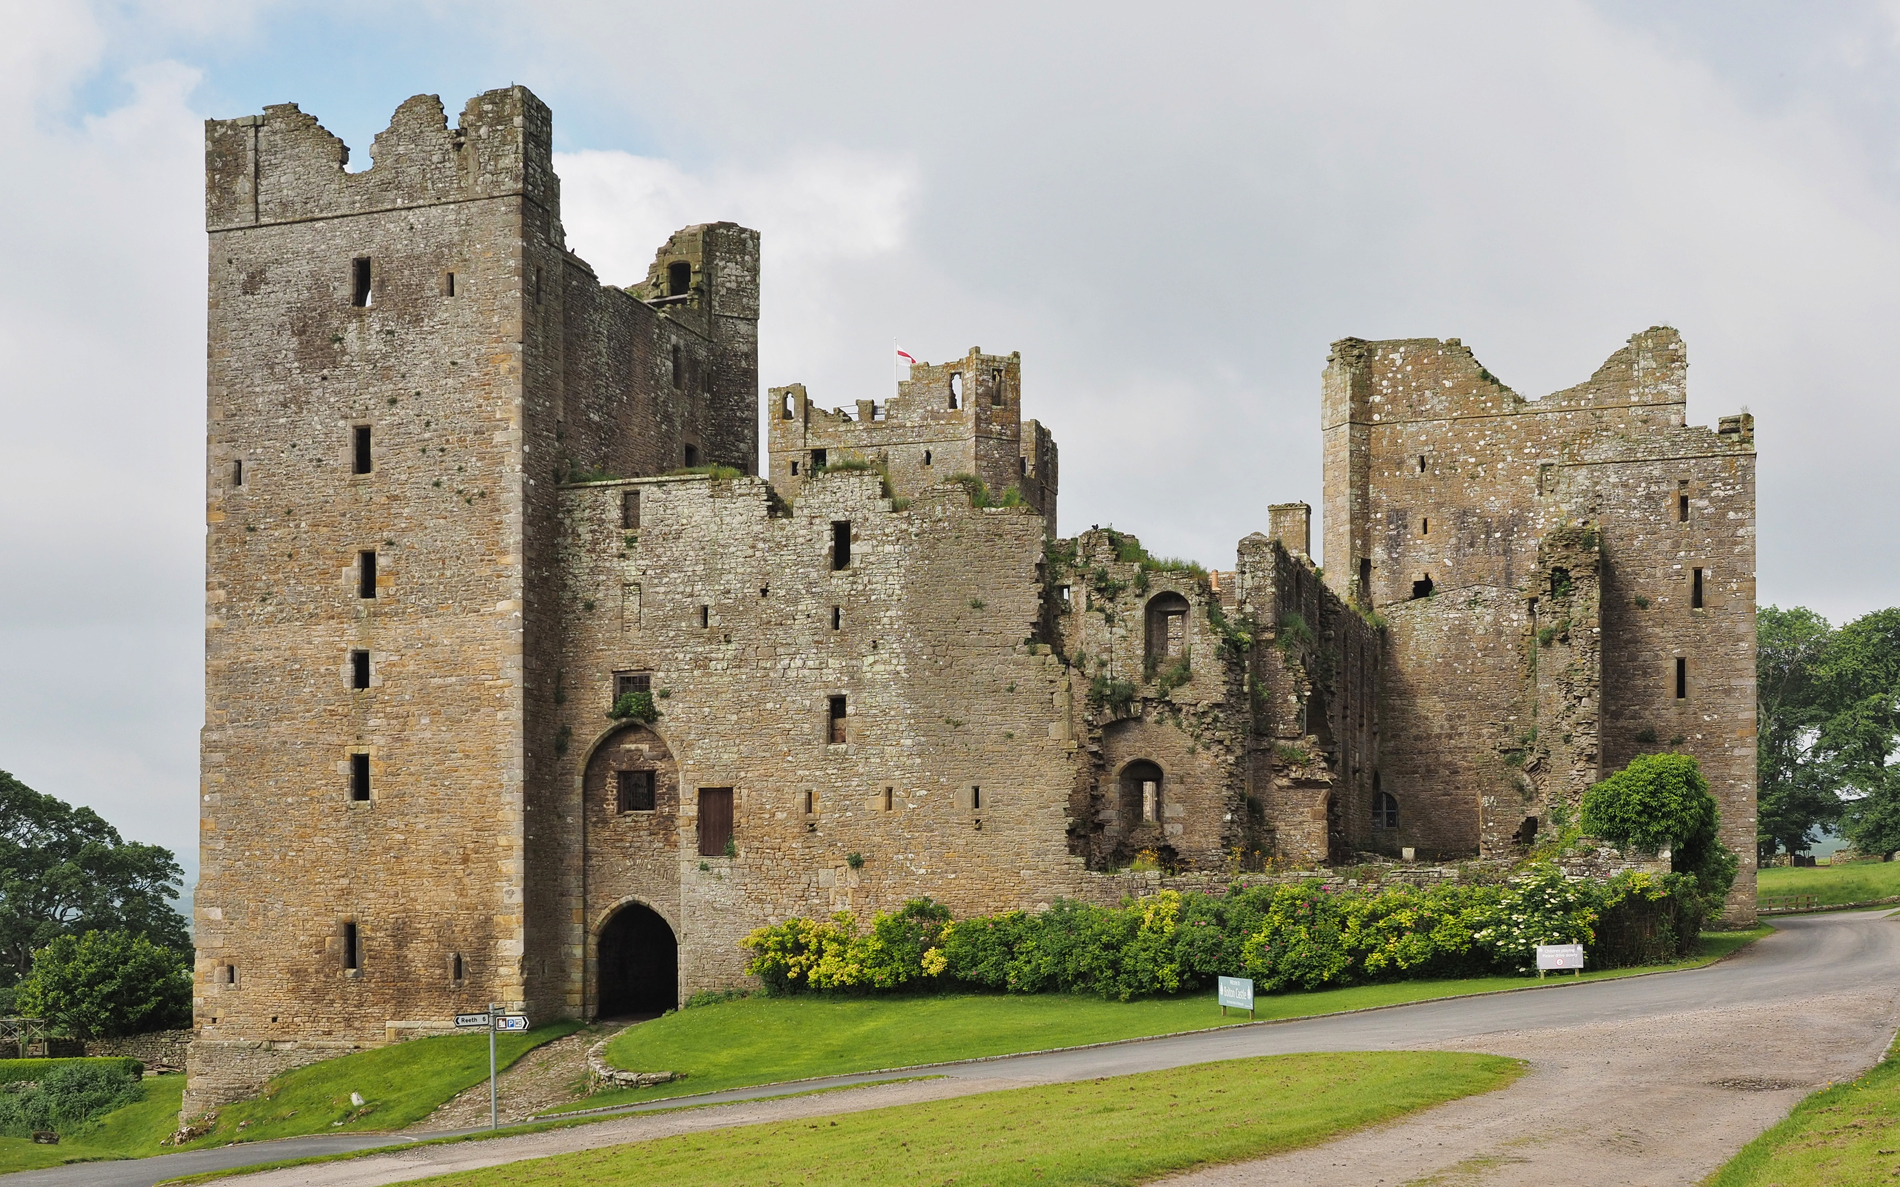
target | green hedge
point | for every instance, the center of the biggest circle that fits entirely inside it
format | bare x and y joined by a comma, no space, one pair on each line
1308,935
17,1071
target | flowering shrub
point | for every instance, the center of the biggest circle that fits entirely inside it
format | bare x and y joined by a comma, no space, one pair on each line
1540,907
1304,936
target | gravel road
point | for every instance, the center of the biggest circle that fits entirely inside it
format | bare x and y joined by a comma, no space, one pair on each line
1648,1080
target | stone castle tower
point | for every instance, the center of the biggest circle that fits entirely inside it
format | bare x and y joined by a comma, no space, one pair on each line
405,363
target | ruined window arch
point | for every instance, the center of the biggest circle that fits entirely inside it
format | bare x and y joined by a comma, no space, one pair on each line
785,407
1167,616
1141,791
1385,810
1423,588
956,389
679,278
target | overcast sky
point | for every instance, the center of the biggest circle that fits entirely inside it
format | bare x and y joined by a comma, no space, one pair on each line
1169,210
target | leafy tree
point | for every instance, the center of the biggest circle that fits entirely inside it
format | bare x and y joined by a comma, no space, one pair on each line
64,870
1860,726
106,984
1795,783
1662,800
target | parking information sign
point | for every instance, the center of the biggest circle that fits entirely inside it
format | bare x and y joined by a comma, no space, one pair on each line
1236,992
1560,956
512,1022
471,1021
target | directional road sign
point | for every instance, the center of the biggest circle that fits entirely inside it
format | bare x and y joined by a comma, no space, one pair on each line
471,1021
511,1022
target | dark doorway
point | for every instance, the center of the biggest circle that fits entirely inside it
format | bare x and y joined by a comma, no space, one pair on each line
1338,853
638,967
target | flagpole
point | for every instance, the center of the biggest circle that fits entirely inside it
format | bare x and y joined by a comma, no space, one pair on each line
894,379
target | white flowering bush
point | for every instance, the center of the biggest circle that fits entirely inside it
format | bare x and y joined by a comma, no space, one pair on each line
1540,907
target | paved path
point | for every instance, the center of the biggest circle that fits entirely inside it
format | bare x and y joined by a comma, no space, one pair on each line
1648,1080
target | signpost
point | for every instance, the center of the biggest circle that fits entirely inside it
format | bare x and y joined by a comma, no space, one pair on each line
1559,956
495,1019
1236,992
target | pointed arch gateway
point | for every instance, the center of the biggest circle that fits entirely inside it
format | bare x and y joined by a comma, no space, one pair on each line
636,964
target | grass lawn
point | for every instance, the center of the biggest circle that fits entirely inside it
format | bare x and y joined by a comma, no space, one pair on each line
1849,1133
400,1085
1125,1129
131,1132
1855,883
762,1040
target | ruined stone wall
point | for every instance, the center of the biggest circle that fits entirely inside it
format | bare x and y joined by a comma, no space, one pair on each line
1315,673
945,691
961,417
1448,485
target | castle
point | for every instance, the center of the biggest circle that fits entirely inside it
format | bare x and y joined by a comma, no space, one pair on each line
465,502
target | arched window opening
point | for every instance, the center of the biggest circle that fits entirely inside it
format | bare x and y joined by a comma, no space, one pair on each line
1385,810
679,278
637,965
1167,627
1141,794
956,389
785,409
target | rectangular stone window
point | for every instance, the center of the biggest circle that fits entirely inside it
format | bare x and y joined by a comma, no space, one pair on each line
458,968
1682,501
811,803
794,469
360,456
359,282
359,669
997,396
352,946
976,798
366,574
237,472
705,617
227,976
1695,591
837,618
626,682
448,290
840,544
1682,678
715,821
835,719
889,797
635,791
630,509
359,777
817,460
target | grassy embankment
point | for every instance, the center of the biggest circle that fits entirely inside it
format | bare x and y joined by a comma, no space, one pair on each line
400,1085
1123,1130
130,1132
1846,1133
1857,883
761,1040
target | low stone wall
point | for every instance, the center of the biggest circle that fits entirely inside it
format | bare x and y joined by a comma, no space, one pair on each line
600,1076
159,1051
222,1071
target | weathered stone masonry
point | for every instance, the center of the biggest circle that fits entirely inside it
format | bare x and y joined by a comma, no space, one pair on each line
867,684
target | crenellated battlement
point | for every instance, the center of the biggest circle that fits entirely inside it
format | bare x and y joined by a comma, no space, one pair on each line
284,166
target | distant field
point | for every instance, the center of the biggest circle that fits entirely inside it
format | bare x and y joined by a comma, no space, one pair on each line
1834,884
762,1040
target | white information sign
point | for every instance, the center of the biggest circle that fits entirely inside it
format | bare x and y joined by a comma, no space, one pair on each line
471,1021
1560,956
512,1022
1236,992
